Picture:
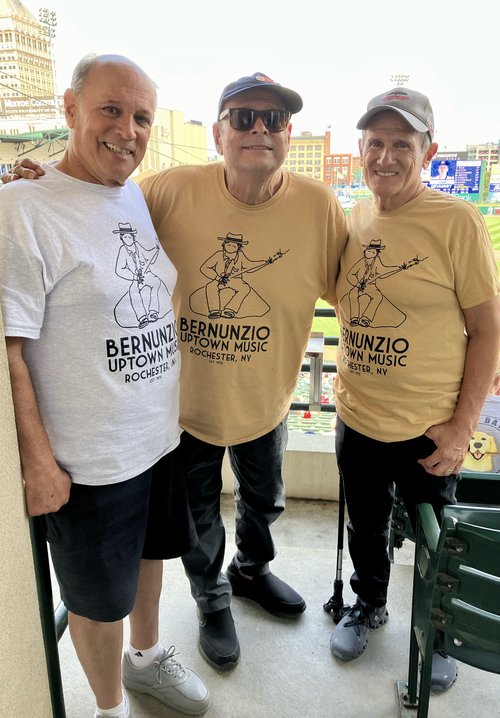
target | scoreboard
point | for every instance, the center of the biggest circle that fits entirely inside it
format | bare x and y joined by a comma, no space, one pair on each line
455,176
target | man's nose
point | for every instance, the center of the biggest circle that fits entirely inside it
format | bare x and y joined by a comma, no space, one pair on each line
126,127
386,156
259,126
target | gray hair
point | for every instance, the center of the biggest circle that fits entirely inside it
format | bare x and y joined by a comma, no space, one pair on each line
81,71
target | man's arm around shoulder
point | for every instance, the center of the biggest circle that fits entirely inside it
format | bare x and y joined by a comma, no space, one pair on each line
47,486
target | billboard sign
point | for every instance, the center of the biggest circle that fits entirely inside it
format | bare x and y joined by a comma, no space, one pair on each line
494,189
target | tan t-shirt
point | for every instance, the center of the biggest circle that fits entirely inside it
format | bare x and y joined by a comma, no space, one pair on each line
405,277
248,280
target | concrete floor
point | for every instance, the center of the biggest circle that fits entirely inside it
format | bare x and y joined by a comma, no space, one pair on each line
286,668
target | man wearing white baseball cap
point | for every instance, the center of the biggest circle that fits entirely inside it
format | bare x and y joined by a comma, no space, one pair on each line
424,328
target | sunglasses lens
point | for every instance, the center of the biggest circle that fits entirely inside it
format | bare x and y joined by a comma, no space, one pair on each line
243,119
276,120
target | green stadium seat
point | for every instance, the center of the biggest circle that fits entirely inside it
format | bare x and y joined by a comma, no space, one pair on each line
456,592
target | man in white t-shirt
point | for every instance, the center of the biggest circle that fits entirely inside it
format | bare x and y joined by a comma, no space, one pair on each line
95,382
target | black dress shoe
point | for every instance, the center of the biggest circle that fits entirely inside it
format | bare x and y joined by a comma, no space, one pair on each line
218,643
273,594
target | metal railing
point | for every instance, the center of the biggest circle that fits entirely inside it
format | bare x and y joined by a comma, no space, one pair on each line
53,623
316,367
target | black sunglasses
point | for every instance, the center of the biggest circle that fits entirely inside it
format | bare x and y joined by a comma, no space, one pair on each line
243,118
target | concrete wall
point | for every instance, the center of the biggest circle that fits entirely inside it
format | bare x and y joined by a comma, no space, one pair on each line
23,674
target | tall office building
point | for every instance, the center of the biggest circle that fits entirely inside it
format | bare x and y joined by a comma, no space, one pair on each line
26,63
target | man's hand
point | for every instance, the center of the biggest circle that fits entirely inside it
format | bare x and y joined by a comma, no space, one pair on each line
26,169
46,494
47,486
451,448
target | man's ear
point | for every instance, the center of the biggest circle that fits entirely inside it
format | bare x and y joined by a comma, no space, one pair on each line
69,107
217,134
360,145
433,148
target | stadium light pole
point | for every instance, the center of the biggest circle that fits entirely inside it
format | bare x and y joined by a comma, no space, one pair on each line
48,19
399,80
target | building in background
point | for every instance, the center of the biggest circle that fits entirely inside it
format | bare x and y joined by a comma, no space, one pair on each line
310,155
32,121
27,70
307,154
488,152
174,141
338,170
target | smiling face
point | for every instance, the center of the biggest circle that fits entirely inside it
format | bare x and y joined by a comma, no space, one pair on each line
110,120
256,150
392,158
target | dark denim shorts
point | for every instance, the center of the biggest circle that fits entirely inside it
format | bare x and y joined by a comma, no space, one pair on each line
98,538
96,542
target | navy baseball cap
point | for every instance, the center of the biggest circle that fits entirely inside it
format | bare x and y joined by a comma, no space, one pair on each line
292,100
414,107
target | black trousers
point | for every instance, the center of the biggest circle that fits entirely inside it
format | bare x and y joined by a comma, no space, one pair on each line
260,499
369,470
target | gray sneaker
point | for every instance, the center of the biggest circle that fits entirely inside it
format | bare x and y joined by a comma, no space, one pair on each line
170,683
350,637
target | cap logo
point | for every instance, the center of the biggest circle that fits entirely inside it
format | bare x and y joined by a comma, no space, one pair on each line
263,78
390,98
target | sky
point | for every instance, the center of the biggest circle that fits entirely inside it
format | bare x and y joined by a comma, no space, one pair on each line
336,55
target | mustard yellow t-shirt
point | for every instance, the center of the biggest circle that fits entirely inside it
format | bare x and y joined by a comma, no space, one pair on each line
248,280
405,277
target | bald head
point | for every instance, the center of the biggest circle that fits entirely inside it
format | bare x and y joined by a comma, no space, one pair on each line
81,71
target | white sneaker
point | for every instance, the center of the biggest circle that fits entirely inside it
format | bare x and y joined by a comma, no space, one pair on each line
166,680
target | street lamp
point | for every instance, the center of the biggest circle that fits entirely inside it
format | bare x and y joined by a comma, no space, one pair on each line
48,19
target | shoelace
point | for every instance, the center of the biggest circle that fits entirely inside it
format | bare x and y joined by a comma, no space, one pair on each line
358,618
169,665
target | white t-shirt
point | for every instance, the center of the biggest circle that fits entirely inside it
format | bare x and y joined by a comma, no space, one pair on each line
84,280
